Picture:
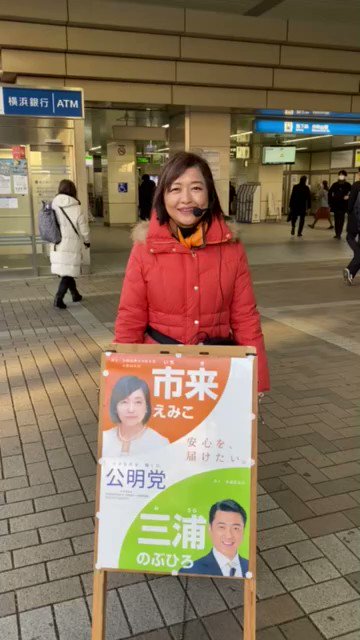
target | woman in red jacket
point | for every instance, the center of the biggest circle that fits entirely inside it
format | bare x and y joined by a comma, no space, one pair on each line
187,280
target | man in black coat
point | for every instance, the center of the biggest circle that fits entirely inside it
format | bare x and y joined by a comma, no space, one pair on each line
338,201
353,231
300,203
146,195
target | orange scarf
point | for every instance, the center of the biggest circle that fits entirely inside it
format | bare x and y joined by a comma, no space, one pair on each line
197,239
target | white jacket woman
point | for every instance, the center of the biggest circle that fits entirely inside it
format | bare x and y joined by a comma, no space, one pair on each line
66,256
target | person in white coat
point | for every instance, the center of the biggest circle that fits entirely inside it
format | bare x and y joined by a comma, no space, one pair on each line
66,256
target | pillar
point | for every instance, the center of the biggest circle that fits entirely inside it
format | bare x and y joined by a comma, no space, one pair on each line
208,135
120,184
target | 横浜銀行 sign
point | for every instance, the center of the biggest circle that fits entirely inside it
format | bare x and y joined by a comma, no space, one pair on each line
41,103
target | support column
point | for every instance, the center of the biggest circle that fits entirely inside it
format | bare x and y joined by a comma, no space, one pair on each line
120,184
208,135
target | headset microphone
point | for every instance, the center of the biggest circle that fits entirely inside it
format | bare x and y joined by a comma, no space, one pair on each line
198,213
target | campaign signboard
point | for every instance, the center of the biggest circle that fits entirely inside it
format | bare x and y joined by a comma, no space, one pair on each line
176,474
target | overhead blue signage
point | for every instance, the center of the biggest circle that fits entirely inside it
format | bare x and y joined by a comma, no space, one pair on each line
41,103
299,113
307,128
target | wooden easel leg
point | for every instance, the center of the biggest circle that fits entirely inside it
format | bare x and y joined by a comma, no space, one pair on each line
249,609
99,605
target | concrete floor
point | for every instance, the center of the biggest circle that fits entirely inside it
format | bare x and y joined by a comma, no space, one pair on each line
309,445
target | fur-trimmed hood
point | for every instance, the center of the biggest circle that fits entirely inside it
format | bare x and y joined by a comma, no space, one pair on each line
141,231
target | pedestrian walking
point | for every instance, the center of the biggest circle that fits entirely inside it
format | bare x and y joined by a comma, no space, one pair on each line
66,257
323,211
187,280
300,203
146,194
353,231
338,201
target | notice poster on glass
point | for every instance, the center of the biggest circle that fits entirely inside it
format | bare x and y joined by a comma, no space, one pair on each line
21,186
175,464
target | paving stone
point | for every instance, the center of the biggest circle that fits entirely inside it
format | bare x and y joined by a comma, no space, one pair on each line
42,553
305,550
320,443
351,539
279,557
293,577
76,445
10,580
354,580
18,540
28,493
342,470
171,599
140,607
58,501
338,553
205,600
354,515
294,507
321,525
116,624
338,620
84,464
66,530
72,620
13,466
160,634
5,561
69,428
232,591
307,470
335,487
274,470
9,628
273,633
38,623
332,504
89,487
66,480
321,570
78,511
300,629
217,623
270,519
275,611
53,439
267,584
34,452
265,503
301,487
36,520
324,595
39,473
279,536
48,593
83,543
16,509
7,604
59,459
29,434
70,566
10,446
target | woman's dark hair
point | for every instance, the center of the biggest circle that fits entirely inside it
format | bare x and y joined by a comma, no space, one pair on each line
325,184
303,179
342,173
67,187
124,388
174,168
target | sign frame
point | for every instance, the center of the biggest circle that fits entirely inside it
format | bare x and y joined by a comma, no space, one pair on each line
100,575
41,88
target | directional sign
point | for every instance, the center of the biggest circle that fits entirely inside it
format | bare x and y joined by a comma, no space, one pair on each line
307,128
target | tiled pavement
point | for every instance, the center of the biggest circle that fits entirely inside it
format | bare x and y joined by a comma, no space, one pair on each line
309,471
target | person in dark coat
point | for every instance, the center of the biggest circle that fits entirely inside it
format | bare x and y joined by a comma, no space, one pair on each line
146,194
300,203
353,231
232,196
338,201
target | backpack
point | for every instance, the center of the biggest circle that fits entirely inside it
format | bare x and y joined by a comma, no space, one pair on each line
48,224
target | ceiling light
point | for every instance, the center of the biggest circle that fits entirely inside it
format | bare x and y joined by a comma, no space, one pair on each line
301,148
243,133
355,142
328,135
165,126
95,148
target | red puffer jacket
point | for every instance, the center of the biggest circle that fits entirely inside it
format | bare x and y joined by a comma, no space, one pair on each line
189,294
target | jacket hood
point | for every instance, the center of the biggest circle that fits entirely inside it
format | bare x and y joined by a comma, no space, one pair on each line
151,231
62,200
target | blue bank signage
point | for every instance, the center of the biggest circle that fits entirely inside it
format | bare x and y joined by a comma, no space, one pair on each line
41,103
307,128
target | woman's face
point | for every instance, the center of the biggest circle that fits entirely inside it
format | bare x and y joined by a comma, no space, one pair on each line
186,192
131,411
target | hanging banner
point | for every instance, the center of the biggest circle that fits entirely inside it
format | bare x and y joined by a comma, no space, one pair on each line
175,447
